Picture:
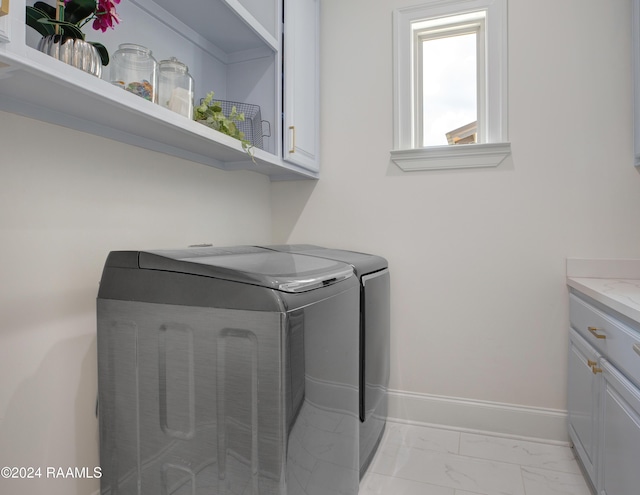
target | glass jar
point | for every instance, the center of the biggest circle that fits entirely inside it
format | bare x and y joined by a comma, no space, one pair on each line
134,69
175,87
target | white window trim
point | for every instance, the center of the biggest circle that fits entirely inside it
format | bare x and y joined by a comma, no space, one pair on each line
496,148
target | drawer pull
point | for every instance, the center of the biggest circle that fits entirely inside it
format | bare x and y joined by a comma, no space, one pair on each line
636,347
594,332
591,363
292,128
596,370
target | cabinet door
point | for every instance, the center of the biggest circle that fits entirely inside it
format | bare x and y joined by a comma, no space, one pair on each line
582,400
301,83
619,440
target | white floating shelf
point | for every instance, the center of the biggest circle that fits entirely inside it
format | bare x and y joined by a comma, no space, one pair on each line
37,86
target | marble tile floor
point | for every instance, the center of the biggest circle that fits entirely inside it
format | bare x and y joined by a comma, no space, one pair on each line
419,460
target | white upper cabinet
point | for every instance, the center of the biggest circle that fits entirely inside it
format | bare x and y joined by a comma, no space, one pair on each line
266,12
232,47
228,24
301,83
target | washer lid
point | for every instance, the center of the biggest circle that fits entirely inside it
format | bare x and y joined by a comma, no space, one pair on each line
285,272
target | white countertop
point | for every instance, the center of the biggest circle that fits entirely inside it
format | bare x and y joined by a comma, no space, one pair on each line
614,283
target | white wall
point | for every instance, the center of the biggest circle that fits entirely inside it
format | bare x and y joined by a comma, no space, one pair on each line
479,303
67,199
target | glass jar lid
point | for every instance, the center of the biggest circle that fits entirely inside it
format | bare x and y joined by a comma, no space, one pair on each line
132,47
173,65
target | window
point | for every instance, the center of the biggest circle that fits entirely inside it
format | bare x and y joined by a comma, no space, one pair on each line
448,68
450,94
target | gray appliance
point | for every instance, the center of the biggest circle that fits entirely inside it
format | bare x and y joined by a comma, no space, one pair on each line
373,273
228,371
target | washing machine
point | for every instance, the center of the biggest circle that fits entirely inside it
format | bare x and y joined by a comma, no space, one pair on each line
374,328
228,371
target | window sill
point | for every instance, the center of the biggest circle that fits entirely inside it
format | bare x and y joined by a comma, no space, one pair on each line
451,157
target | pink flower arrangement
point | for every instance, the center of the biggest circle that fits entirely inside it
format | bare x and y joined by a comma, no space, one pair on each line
104,16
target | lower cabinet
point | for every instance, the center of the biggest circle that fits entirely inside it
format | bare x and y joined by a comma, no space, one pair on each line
582,401
619,440
603,398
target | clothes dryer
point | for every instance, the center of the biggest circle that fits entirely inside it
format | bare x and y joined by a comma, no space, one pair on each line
374,328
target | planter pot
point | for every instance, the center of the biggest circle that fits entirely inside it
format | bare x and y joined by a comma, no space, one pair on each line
72,51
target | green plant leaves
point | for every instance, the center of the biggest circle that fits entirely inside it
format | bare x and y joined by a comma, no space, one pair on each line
42,18
70,30
210,114
76,11
34,15
46,8
102,50
39,17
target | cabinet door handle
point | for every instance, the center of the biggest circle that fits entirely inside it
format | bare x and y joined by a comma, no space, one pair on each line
594,332
293,138
591,363
636,347
596,370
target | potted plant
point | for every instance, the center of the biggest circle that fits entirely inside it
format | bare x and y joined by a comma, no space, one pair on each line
61,29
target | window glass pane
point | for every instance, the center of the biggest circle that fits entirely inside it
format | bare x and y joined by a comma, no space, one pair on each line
449,90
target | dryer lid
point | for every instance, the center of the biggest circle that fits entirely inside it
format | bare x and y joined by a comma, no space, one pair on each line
362,263
285,272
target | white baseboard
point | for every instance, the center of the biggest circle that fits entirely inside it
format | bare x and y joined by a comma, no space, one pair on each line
533,423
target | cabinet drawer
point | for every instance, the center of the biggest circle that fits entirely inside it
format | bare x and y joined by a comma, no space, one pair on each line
615,340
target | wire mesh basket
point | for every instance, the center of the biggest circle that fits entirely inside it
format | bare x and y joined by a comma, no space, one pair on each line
251,126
